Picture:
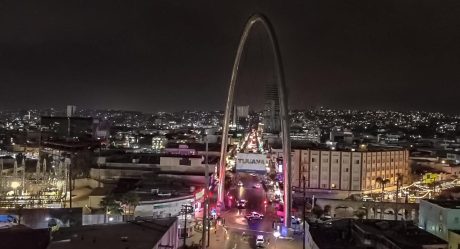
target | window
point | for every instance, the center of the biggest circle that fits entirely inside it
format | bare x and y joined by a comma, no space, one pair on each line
185,161
456,220
356,161
313,160
325,160
336,160
346,169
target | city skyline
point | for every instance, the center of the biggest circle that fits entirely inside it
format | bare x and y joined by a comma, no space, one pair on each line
163,56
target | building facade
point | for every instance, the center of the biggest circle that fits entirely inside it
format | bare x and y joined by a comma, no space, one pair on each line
347,170
438,217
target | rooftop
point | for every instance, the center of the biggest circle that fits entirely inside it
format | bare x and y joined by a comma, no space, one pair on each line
19,237
335,237
403,234
451,204
136,235
195,146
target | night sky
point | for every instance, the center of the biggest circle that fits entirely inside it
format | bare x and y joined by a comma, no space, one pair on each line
169,55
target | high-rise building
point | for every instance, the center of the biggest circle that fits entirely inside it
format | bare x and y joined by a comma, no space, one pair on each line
240,117
71,109
272,123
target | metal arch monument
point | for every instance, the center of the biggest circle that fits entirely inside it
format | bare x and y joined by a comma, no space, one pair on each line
284,115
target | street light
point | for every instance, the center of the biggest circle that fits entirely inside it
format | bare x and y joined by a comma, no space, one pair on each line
276,234
15,185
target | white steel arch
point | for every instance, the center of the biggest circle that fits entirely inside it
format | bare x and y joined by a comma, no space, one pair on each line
284,114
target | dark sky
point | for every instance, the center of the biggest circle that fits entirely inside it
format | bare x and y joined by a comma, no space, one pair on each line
167,55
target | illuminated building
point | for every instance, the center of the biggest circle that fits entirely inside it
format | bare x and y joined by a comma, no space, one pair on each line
346,169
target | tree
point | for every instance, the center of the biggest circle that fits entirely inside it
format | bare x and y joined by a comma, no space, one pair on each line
382,183
131,200
110,205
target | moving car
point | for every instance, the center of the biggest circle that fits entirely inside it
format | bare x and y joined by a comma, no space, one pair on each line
254,216
241,204
257,185
260,241
240,184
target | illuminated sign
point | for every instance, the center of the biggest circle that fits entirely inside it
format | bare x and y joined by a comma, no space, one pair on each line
251,162
430,178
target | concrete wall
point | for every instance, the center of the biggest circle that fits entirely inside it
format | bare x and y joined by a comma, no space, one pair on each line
170,239
87,182
162,208
175,161
184,171
309,243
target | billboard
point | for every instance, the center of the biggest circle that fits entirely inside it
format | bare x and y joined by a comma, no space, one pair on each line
251,162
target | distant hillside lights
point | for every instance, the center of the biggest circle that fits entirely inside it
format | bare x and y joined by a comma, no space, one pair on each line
159,143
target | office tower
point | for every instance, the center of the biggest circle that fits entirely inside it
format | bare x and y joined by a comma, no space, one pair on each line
272,122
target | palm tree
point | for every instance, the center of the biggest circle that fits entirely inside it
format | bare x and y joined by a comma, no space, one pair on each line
130,199
110,205
382,183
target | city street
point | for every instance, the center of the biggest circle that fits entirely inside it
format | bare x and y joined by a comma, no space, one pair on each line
238,232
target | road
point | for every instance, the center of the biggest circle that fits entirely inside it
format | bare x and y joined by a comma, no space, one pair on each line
242,234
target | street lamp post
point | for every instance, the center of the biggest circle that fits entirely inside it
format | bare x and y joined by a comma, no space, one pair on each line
206,200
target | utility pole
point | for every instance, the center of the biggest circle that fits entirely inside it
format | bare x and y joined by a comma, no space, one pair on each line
185,210
206,200
70,180
303,213
209,230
